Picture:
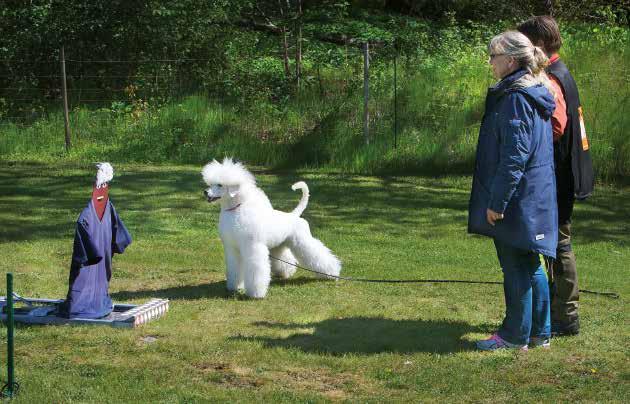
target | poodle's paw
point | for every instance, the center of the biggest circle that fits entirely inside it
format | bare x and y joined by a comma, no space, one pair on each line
256,293
232,287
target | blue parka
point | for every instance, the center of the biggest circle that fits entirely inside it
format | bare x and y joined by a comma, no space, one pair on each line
514,172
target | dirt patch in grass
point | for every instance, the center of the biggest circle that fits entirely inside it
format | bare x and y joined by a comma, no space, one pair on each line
233,376
338,386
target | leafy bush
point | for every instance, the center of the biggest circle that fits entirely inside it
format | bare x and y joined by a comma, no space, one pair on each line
240,102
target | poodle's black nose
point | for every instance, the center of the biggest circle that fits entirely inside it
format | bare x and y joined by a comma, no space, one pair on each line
205,193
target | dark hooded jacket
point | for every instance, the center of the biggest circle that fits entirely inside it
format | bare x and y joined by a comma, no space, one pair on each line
514,169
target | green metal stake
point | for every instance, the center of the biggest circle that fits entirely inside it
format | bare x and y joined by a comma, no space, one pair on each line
395,95
10,392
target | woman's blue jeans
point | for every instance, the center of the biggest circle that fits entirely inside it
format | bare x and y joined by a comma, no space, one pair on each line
526,289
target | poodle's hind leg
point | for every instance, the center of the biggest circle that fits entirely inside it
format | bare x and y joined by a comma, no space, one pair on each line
233,269
280,267
257,269
312,253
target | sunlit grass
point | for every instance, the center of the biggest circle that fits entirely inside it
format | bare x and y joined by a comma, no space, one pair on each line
309,340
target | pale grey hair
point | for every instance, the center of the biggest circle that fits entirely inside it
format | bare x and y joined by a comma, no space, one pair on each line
529,57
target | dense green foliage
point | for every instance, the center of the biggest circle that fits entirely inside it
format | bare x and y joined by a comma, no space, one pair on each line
227,48
191,80
221,39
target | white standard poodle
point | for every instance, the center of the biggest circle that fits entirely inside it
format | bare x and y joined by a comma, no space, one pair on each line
251,230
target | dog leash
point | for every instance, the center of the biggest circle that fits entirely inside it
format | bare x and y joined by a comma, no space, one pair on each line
345,278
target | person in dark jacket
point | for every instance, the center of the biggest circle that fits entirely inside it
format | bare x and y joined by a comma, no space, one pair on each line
513,198
574,172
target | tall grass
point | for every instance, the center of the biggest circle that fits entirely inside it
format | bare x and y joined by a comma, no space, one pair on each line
602,73
192,129
432,129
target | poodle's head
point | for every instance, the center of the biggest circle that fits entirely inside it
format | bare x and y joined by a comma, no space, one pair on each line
226,180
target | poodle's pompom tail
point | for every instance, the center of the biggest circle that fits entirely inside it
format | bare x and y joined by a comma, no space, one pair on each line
227,173
104,174
313,254
304,201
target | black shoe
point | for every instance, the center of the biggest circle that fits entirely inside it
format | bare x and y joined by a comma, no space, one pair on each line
565,329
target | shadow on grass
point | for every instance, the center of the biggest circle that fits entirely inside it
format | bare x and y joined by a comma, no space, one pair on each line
42,202
190,292
211,290
37,199
282,283
372,335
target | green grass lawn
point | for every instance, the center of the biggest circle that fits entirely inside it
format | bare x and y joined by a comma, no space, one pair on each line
309,340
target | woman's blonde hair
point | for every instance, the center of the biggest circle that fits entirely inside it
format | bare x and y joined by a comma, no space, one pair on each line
529,57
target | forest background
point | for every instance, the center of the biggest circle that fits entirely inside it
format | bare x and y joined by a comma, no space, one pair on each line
281,83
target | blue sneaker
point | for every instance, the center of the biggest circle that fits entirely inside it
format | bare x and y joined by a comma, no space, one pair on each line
496,342
539,342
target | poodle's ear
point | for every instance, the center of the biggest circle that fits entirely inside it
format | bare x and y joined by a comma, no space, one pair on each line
232,190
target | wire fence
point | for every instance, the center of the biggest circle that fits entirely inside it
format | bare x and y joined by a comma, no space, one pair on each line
27,95
390,99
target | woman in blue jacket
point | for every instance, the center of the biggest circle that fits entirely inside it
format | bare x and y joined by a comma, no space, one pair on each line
513,198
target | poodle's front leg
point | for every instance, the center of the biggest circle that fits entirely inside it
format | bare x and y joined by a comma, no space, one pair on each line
256,268
233,270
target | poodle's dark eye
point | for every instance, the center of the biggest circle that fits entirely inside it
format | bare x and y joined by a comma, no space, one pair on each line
219,185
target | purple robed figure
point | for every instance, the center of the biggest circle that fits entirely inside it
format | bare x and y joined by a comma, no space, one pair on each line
95,242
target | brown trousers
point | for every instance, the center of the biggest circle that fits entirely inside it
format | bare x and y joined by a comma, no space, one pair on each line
564,288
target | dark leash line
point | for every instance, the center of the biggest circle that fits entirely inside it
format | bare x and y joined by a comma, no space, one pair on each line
345,278
607,294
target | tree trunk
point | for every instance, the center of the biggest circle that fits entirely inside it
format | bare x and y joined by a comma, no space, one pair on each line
285,46
298,48
366,93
